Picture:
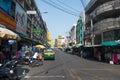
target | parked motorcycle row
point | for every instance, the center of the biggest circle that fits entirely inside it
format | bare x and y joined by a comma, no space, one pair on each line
30,61
9,70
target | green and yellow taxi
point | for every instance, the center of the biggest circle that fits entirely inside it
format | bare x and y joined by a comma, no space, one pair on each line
49,54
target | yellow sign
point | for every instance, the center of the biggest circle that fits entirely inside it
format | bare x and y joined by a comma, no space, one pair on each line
60,37
7,21
48,36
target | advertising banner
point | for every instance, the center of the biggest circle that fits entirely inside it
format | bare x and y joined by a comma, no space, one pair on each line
21,19
6,6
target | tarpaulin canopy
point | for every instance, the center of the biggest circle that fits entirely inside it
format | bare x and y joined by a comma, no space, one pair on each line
110,43
8,34
40,46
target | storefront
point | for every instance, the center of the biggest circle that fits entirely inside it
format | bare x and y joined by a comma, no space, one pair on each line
7,26
112,51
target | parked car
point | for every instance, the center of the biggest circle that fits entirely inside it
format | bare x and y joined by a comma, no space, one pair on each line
49,54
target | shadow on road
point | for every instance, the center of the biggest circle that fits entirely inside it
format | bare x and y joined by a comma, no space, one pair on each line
22,71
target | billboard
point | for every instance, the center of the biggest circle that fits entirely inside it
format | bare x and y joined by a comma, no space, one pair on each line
6,6
21,19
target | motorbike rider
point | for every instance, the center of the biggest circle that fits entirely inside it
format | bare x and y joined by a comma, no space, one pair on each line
35,56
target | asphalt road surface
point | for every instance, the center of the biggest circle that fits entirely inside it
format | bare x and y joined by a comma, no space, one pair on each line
71,67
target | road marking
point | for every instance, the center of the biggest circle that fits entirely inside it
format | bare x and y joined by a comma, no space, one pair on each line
98,77
52,76
97,69
74,75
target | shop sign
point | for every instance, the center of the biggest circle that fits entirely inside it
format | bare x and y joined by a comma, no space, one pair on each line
36,31
7,20
48,36
31,12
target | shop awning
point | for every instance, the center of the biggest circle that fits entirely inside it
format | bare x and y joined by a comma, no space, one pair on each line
8,34
26,39
110,43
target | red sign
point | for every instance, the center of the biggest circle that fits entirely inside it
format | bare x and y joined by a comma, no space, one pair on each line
7,21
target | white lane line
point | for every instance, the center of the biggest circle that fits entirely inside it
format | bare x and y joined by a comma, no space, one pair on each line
45,76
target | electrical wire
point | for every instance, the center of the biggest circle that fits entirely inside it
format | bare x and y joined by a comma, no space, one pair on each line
59,8
62,7
67,6
82,3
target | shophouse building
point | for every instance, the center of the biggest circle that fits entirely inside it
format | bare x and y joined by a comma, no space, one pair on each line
103,25
31,28
72,33
80,29
102,21
35,28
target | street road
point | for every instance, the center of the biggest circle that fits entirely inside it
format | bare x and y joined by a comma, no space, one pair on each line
72,67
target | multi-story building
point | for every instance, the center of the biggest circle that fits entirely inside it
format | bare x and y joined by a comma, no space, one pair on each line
102,21
60,41
80,29
67,39
30,27
35,28
73,35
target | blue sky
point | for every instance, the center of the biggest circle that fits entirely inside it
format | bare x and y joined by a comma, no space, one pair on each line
59,22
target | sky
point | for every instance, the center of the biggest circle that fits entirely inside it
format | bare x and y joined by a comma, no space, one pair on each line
58,22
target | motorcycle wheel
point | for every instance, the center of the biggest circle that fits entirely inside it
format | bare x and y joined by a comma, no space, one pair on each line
31,64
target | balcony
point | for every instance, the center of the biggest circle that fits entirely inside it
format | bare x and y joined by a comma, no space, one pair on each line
109,6
107,24
105,10
93,4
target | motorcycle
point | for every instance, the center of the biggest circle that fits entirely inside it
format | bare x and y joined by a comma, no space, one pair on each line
35,62
8,71
24,60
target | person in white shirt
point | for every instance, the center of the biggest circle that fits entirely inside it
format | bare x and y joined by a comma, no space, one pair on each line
35,55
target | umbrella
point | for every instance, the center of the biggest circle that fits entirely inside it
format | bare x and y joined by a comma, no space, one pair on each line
40,46
110,43
8,34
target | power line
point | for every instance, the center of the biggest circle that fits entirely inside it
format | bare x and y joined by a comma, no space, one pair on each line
67,6
82,3
59,8
62,6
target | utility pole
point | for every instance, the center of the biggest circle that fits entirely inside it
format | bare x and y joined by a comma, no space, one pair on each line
92,30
